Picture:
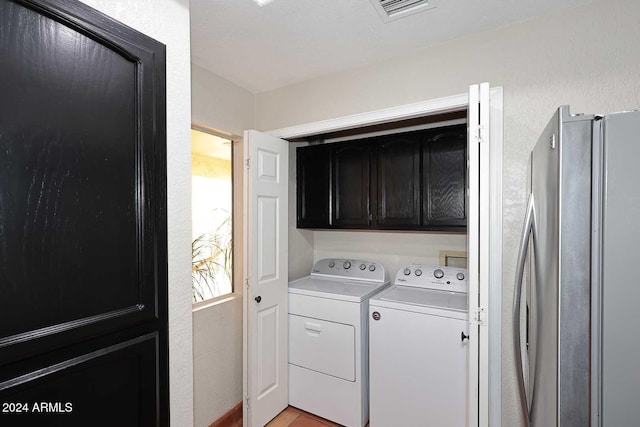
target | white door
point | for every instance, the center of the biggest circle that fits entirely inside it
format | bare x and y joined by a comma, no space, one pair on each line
478,252
266,271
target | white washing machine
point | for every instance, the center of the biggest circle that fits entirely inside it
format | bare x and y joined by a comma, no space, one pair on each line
328,339
418,349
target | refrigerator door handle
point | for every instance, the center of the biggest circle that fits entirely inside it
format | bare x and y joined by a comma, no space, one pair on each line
528,229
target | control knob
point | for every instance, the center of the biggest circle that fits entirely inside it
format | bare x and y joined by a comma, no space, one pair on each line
418,272
438,274
460,276
346,265
362,266
407,272
372,267
332,264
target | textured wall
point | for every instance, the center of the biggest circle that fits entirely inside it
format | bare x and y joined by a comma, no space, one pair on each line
586,57
217,328
217,360
219,104
210,167
168,22
393,249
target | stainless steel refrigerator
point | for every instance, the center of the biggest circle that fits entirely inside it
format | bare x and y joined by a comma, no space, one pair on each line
577,287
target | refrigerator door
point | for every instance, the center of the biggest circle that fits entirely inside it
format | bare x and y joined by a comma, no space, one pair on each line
621,293
559,284
574,268
543,322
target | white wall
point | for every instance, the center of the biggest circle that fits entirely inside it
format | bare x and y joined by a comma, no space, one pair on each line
586,57
217,328
219,104
168,22
393,249
217,360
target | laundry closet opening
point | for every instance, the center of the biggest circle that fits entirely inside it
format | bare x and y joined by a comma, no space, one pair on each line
375,200
386,207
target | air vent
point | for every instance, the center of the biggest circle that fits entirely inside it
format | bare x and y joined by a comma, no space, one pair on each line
390,10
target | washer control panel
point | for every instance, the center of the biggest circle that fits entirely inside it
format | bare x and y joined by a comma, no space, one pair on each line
433,277
350,269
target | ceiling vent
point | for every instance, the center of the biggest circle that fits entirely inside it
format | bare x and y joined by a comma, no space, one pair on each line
390,10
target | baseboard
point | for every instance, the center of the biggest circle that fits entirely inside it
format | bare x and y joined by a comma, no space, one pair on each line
230,418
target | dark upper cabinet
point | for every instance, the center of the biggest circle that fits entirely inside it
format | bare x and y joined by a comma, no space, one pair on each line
406,181
313,191
350,184
444,178
397,181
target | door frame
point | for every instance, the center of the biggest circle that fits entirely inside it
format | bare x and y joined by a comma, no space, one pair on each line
490,409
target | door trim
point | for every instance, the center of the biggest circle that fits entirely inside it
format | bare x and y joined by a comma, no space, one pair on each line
493,370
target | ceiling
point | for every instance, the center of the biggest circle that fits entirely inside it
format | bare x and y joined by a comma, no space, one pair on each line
262,48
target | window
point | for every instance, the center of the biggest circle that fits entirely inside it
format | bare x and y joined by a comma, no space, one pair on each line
212,216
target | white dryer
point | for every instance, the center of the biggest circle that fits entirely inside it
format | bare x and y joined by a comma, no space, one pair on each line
418,337
328,331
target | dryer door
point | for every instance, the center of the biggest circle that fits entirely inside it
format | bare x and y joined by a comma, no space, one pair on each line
322,346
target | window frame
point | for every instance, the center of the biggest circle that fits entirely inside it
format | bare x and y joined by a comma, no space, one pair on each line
236,216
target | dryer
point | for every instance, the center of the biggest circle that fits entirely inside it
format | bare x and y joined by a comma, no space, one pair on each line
418,337
328,339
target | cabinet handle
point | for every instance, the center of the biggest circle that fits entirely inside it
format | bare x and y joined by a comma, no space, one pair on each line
258,299
463,336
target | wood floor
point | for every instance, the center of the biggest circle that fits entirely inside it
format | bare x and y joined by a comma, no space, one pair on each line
294,417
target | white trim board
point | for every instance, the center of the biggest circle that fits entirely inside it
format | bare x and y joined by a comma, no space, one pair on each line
402,112
438,106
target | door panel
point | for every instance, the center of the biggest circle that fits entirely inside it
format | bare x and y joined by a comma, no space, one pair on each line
266,385
398,181
351,184
76,389
313,190
267,350
82,199
444,154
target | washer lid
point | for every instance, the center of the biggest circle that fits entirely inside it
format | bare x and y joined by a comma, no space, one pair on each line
420,297
344,290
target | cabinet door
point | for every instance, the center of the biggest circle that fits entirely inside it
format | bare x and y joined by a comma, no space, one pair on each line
398,181
313,180
351,185
444,178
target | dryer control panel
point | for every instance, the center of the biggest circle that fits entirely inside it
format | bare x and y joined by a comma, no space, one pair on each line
350,269
433,277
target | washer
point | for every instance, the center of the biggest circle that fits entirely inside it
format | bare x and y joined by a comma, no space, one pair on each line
418,339
328,339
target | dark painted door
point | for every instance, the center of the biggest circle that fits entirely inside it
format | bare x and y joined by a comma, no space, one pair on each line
313,192
444,178
351,185
83,275
398,180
